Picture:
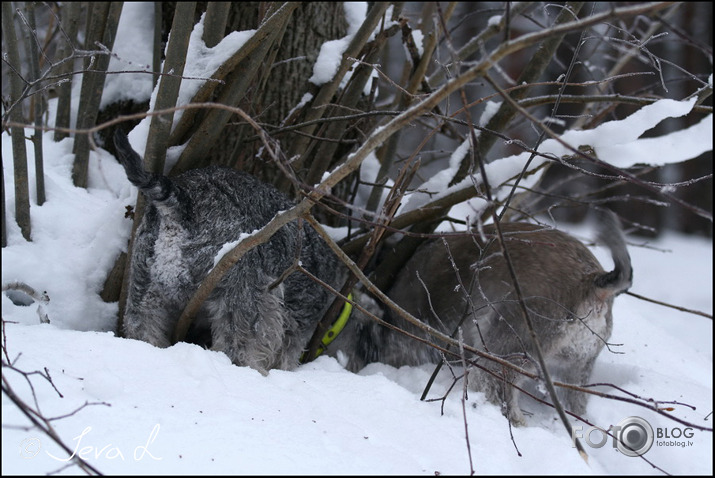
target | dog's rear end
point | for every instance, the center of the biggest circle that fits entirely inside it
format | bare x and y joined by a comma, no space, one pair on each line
463,281
155,187
257,316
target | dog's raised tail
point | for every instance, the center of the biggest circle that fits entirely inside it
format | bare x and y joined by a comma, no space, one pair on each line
155,187
611,235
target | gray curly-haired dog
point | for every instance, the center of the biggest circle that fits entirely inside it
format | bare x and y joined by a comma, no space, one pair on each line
463,281
255,318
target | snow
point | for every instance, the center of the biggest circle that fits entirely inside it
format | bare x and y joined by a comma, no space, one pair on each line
677,146
494,20
419,39
437,183
201,63
331,52
186,410
226,248
616,142
355,13
369,172
134,32
229,246
326,66
490,109
77,234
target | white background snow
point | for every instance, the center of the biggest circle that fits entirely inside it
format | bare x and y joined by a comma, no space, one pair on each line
186,410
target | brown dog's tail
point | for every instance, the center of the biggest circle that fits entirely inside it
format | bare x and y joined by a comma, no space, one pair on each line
155,187
611,235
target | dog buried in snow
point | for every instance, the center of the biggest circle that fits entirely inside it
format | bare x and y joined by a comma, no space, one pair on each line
463,281
261,317
255,318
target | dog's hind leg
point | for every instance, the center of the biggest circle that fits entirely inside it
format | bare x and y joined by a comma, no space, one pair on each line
152,324
250,324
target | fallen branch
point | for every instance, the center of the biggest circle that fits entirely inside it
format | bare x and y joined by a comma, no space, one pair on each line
42,299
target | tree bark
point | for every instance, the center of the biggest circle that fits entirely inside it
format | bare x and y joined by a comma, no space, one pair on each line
104,21
70,22
19,152
279,84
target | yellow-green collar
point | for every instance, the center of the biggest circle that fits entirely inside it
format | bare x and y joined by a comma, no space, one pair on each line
334,329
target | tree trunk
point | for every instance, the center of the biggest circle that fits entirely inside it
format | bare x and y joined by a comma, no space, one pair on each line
104,21
19,153
280,83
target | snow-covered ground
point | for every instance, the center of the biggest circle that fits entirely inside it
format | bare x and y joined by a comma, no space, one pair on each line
188,410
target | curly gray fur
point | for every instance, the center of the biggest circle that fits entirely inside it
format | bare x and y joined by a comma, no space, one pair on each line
186,221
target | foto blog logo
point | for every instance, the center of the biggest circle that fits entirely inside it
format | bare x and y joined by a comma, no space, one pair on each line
633,436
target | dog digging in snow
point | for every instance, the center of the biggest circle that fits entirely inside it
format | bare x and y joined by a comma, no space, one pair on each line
256,316
463,281
261,317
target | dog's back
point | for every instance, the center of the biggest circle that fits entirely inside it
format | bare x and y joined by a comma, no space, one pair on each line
255,319
463,281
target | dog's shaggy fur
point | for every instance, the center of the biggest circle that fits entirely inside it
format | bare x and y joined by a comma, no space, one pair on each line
462,281
254,320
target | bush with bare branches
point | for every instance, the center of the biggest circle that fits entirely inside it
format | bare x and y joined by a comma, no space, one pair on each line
427,117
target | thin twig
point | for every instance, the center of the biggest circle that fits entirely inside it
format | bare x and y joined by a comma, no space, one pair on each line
665,304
